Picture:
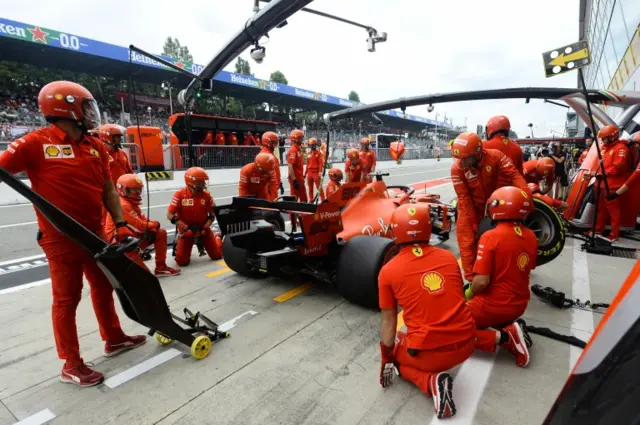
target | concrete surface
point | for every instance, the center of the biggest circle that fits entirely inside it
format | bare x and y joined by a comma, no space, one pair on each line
313,359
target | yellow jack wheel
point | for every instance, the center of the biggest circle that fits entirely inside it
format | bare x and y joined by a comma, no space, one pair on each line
200,347
163,340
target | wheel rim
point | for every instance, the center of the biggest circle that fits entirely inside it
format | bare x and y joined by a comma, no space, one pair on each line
541,225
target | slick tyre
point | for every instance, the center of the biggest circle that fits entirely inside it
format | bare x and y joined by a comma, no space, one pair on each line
237,259
549,229
358,266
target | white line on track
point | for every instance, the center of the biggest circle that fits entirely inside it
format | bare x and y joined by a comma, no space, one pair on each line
25,286
581,320
26,223
39,418
147,365
22,260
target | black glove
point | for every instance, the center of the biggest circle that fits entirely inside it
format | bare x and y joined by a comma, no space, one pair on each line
612,196
281,189
296,184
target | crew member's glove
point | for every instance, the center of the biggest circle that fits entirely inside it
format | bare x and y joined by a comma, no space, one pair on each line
468,293
296,184
153,226
281,189
122,231
612,196
387,368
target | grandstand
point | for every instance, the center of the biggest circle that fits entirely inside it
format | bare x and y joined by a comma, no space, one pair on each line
31,47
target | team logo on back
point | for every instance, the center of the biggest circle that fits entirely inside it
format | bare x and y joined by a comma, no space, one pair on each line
432,281
523,261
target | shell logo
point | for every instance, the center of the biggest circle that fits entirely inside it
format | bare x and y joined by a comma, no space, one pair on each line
518,231
58,96
432,281
523,261
52,151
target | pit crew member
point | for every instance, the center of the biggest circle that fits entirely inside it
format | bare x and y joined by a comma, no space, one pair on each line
129,188
499,292
615,161
554,203
335,177
192,211
583,156
368,159
353,167
295,163
70,169
269,143
258,177
633,180
476,174
314,166
498,138
426,282
111,135
540,170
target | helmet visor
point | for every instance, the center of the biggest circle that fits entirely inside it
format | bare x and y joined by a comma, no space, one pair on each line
90,114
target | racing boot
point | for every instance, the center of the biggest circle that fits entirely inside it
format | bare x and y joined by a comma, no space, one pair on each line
441,389
130,342
516,344
162,270
80,375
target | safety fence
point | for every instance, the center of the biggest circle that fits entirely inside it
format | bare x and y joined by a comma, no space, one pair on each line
176,157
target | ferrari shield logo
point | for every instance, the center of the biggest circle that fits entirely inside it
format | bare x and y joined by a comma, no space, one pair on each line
524,194
456,151
411,211
94,153
523,261
488,168
518,230
417,251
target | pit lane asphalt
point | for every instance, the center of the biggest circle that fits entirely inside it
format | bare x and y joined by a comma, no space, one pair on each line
22,260
309,359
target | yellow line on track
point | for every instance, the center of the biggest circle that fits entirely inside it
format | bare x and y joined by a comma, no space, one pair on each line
221,263
292,293
218,272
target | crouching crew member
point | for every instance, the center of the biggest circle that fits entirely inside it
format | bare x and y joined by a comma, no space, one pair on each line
257,178
426,282
70,169
499,293
353,168
540,170
192,211
553,203
129,188
335,177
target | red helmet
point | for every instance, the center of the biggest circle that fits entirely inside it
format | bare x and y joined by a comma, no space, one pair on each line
196,178
69,101
130,186
335,174
411,223
220,139
509,203
608,134
353,154
534,188
296,136
270,140
265,162
546,167
313,142
232,139
365,141
111,134
396,150
466,145
496,124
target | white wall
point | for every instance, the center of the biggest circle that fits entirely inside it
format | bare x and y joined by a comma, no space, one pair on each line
218,176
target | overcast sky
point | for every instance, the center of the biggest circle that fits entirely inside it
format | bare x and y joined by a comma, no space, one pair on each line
433,46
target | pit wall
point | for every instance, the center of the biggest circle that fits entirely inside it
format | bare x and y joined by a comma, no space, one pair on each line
221,176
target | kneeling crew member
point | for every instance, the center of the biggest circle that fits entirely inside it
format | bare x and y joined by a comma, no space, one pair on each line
476,174
553,203
192,210
353,167
540,170
426,282
335,177
257,178
499,293
129,188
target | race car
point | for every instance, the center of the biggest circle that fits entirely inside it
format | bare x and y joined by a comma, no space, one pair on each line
343,241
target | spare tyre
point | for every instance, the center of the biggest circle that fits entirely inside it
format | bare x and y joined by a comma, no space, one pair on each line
359,263
549,228
240,260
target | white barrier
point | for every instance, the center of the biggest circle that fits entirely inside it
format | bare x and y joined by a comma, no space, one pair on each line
218,176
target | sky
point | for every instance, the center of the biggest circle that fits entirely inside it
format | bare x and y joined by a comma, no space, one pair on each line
433,46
